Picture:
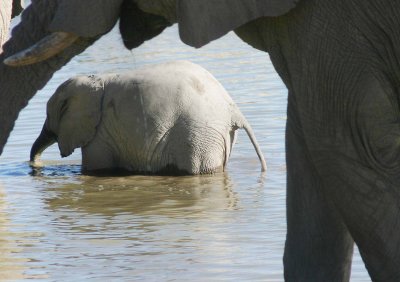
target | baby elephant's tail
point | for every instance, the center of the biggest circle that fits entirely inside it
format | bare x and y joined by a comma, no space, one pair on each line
241,122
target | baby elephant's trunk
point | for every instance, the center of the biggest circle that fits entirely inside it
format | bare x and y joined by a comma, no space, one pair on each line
45,139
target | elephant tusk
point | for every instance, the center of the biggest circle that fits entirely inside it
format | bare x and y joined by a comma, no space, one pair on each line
47,47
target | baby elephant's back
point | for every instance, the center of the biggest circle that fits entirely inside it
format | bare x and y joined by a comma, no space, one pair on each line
167,114
166,92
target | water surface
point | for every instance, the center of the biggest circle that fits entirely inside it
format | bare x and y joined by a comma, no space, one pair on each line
59,225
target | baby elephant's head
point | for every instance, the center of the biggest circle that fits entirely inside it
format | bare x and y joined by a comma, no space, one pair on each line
73,113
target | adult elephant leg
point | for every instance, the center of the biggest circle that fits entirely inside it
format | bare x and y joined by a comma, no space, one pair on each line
318,246
369,206
362,178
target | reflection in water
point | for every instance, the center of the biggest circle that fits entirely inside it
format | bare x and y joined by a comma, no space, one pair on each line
55,170
172,196
110,221
10,266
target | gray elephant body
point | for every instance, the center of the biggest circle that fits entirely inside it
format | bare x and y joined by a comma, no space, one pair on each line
340,63
173,118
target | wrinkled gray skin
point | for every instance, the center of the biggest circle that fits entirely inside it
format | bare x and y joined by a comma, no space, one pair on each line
171,118
340,62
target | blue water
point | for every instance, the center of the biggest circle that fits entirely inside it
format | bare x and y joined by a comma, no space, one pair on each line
59,225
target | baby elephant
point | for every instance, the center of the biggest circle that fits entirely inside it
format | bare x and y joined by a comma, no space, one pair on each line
171,118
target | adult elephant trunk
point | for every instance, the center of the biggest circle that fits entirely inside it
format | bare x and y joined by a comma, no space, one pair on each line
19,84
136,27
73,25
45,140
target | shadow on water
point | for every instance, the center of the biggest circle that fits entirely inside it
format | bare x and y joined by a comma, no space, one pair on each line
18,169
56,170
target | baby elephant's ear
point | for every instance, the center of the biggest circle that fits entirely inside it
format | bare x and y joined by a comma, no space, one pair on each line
201,21
74,112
